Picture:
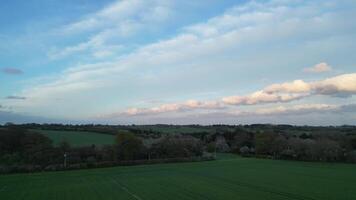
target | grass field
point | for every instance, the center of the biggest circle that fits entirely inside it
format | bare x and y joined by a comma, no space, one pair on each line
229,177
176,129
78,138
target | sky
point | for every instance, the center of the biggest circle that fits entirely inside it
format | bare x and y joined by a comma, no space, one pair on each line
178,62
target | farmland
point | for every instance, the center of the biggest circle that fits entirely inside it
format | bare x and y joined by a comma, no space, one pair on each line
229,177
78,138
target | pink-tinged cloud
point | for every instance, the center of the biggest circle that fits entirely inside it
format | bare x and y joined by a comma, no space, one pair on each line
297,86
342,85
319,68
338,85
174,107
260,97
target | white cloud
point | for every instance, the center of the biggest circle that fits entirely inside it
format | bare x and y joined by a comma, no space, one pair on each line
297,86
319,68
339,85
260,97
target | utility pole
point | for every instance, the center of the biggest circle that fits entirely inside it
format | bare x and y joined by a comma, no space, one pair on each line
215,147
65,160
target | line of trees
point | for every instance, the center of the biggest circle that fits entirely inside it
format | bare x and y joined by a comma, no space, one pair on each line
306,147
22,150
27,151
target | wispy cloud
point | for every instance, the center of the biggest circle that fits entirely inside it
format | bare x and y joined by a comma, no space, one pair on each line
121,19
118,13
9,116
96,45
16,97
319,68
12,71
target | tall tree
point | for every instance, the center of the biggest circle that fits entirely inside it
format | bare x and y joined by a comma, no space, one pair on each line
129,147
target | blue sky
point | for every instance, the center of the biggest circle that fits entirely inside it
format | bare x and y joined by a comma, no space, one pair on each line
178,62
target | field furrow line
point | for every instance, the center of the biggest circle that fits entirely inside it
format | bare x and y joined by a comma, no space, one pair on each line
126,190
254,187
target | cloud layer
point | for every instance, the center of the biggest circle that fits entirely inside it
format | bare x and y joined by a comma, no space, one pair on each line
194,69
319,114
340,86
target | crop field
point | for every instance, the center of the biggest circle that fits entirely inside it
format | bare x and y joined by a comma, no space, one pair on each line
78,138
230,177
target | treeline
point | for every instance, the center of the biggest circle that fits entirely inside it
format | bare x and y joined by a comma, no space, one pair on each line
23,150
159,129
28,151
326,147
145,131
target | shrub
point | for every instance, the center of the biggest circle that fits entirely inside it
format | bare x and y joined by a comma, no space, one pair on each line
244,151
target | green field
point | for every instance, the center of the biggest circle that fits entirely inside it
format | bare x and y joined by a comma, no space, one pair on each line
230,177
78,138
172,129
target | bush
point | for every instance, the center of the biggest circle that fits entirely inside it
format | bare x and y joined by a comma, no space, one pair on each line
288,154
177,147
5,169
221,145
91,161
10,159
244,151
54,167
211,147
351,157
